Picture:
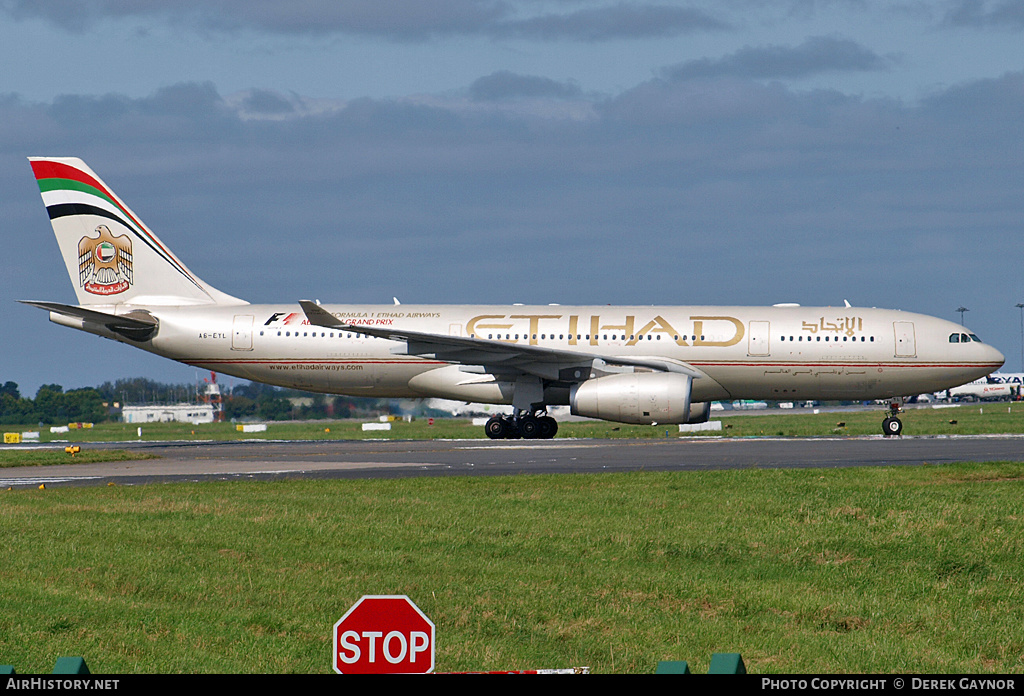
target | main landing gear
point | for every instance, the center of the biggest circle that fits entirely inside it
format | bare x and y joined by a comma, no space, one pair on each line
529,426
893,426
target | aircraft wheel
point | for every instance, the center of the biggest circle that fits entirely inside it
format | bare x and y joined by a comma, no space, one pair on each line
514,433
892,427
529,427
548,427
496,428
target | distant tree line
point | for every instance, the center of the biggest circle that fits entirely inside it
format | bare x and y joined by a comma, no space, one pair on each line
262,401
52,405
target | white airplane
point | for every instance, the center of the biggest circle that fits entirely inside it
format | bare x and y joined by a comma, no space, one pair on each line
646,365
1011,378
994,387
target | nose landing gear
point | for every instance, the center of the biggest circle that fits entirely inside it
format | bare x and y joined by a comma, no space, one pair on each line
893,426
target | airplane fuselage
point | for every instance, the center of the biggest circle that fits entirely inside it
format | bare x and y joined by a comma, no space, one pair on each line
776,353
640,364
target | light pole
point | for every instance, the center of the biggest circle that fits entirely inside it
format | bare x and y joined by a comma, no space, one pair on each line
1020,306
962,309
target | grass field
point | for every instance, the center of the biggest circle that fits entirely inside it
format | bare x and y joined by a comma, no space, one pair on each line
989,418
995,418
903,569
911,569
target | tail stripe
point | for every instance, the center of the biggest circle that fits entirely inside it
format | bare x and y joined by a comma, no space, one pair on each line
60,184
60,210
66,177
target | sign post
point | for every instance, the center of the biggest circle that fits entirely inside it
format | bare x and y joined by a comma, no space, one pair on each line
384,634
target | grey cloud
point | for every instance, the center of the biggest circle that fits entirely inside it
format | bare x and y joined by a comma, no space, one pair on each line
622,21
507,85
704,191
395,18
195,109
400,20
983,13
267,102
816,55
188,99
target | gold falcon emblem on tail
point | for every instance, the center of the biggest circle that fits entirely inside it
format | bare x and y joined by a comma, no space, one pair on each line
105,262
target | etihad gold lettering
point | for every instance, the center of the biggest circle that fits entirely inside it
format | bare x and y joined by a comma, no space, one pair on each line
534,323
658,325
626,328
718,331
699,332
595,322
473,324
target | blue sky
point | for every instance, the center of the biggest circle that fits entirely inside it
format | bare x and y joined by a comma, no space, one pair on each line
729,152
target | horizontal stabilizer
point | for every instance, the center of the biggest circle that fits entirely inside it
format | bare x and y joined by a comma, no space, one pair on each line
137,325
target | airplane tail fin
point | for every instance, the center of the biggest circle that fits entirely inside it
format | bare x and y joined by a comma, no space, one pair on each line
111,256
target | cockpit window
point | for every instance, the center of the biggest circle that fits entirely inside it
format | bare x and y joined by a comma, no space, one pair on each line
975,338
954,338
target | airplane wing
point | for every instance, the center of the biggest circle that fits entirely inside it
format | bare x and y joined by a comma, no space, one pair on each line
497,356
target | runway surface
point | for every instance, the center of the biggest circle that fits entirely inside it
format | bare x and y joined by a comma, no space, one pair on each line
271,460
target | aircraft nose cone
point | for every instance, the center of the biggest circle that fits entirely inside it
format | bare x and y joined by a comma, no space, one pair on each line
994,355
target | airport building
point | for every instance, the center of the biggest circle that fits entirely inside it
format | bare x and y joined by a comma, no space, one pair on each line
167,413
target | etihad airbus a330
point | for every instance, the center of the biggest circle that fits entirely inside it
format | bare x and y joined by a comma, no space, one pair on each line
646,365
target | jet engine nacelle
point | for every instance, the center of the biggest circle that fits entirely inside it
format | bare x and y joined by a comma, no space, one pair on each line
700,412
639,397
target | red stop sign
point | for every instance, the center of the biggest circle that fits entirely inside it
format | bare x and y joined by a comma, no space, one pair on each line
384,634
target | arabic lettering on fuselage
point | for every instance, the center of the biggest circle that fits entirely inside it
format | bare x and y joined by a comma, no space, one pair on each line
846,325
